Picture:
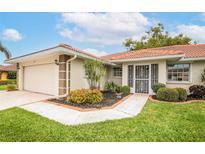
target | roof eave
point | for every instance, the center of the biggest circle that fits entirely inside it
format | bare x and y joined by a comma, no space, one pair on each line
149,58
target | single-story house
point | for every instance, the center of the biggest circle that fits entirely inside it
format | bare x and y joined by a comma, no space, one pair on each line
4,71
59,69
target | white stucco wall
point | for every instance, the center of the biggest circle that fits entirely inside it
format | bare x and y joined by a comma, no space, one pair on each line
111,78
78,78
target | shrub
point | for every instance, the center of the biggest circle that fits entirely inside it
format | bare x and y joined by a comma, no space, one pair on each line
168,94
126,90
182,94
111,86
197,91
8,81
11,87
157,86
82,96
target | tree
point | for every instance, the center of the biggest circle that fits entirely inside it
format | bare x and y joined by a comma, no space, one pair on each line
5,51
95,71
156,37
203,76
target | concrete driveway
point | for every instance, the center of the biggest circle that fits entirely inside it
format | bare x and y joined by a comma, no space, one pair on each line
19,98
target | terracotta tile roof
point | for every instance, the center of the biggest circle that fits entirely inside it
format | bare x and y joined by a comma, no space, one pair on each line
189,51
77,50
8,68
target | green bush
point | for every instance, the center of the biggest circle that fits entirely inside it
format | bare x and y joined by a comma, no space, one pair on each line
126,90
8,81
168,94
111,86
157,86
182,94
89,96
11,87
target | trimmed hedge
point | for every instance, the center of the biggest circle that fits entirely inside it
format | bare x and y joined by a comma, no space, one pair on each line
157,86
89,96
125,90
8,81
11,87
182,94
168,94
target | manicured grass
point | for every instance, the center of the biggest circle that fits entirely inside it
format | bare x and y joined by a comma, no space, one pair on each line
2,87
157,122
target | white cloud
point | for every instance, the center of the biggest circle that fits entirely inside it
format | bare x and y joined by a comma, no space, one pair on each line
196,32
102,28
96,52
12,35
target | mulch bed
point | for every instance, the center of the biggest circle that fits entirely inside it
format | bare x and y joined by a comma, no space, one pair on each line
189,100
109,99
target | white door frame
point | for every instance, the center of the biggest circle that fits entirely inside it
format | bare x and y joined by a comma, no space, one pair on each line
134,76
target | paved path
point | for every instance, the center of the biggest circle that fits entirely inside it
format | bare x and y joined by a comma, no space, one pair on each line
129,108
17,98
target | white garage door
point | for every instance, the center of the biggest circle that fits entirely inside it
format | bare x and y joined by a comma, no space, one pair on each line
41,78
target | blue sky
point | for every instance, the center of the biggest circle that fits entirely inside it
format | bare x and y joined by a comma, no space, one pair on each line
98,33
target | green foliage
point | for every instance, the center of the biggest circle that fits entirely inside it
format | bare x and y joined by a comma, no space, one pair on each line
182,94
168,94
11,75
111,86
156,37
82,96
157,86
95,71
126,90
11,87
203,76
8,81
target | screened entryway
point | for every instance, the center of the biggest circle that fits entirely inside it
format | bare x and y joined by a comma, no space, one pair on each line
142,77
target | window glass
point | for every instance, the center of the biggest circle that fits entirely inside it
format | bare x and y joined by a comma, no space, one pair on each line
178,72
117,72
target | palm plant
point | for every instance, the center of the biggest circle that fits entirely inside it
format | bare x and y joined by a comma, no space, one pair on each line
5,51
95,71
203,76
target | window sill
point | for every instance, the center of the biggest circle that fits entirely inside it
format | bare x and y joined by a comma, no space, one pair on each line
178,82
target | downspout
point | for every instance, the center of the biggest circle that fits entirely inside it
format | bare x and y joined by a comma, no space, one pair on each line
67,64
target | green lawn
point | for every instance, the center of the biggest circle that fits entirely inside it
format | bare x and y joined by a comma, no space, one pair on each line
157,122
2,87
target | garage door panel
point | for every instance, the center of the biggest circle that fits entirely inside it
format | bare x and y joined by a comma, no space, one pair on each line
40,78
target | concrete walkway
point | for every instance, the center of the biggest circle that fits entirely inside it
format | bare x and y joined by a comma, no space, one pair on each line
129,108
17,98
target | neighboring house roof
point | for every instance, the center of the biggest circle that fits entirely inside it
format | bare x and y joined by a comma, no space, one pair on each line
186,51
8,68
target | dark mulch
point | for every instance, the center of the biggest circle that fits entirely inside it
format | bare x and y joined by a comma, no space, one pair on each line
109,98
189,98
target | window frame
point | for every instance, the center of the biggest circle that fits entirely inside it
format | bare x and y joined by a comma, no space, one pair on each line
175,81
113,72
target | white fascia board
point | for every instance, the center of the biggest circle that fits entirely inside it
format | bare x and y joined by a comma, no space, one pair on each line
193,59
149,58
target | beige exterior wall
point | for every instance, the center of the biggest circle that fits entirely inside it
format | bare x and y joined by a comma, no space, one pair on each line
111,78
78,78
195,74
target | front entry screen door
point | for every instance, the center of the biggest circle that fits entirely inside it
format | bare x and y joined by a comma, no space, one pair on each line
142,79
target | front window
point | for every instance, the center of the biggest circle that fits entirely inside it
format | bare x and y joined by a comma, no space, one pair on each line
117,72
178,72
